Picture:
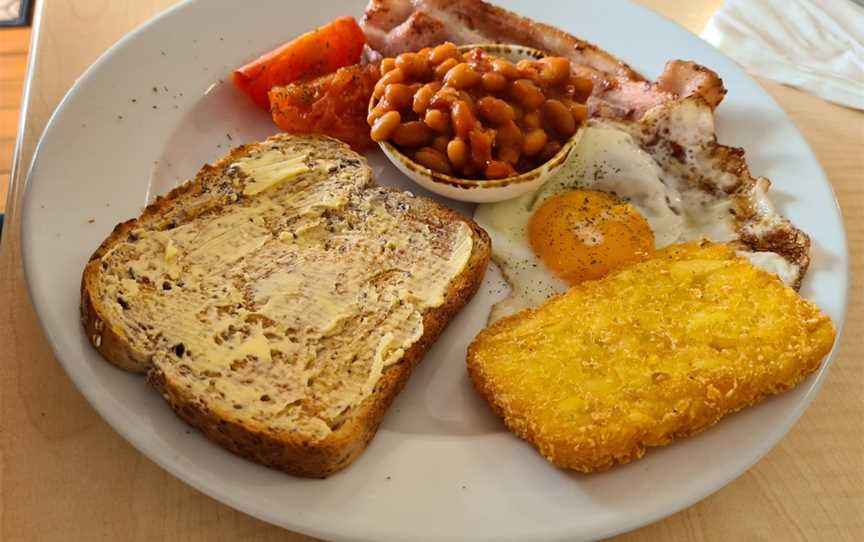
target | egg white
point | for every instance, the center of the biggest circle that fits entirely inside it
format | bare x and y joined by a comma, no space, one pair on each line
608,160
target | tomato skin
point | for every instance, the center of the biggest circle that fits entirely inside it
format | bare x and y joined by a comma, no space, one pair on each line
324,50
334,104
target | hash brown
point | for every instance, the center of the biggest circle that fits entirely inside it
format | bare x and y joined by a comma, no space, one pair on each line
660,350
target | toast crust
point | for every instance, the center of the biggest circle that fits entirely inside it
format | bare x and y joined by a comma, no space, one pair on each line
289,452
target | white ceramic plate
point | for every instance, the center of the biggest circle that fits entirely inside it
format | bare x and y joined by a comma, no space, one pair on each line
442,467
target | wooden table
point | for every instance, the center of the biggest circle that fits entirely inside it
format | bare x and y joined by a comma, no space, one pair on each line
66,475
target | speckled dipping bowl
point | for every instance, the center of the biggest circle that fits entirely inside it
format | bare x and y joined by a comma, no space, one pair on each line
482,190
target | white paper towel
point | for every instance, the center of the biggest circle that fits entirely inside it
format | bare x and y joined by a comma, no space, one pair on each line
815,45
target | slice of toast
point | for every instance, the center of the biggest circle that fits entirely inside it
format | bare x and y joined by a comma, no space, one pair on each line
280,299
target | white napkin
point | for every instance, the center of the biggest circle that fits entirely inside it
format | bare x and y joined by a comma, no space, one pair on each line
817,45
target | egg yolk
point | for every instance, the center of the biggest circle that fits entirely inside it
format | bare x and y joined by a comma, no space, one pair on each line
584,235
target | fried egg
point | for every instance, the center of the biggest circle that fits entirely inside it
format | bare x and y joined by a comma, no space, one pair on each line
627,190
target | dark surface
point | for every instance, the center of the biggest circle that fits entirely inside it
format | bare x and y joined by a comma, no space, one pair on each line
23,15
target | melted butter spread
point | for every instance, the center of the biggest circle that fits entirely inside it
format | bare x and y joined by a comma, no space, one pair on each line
284,309
269,169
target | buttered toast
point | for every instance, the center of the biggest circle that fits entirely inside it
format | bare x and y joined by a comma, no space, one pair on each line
280,299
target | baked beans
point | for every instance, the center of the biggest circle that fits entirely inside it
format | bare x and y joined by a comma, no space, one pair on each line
477,115
440,143
384,126
433,159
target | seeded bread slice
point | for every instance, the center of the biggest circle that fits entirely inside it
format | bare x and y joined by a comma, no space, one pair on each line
281,315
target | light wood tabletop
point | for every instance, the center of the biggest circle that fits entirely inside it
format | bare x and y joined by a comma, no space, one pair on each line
66,475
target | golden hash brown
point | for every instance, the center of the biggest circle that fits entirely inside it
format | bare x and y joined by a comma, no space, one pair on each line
660,350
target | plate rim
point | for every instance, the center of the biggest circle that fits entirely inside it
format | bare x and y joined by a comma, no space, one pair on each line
223,495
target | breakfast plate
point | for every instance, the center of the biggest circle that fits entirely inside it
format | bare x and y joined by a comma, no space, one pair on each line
156,106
